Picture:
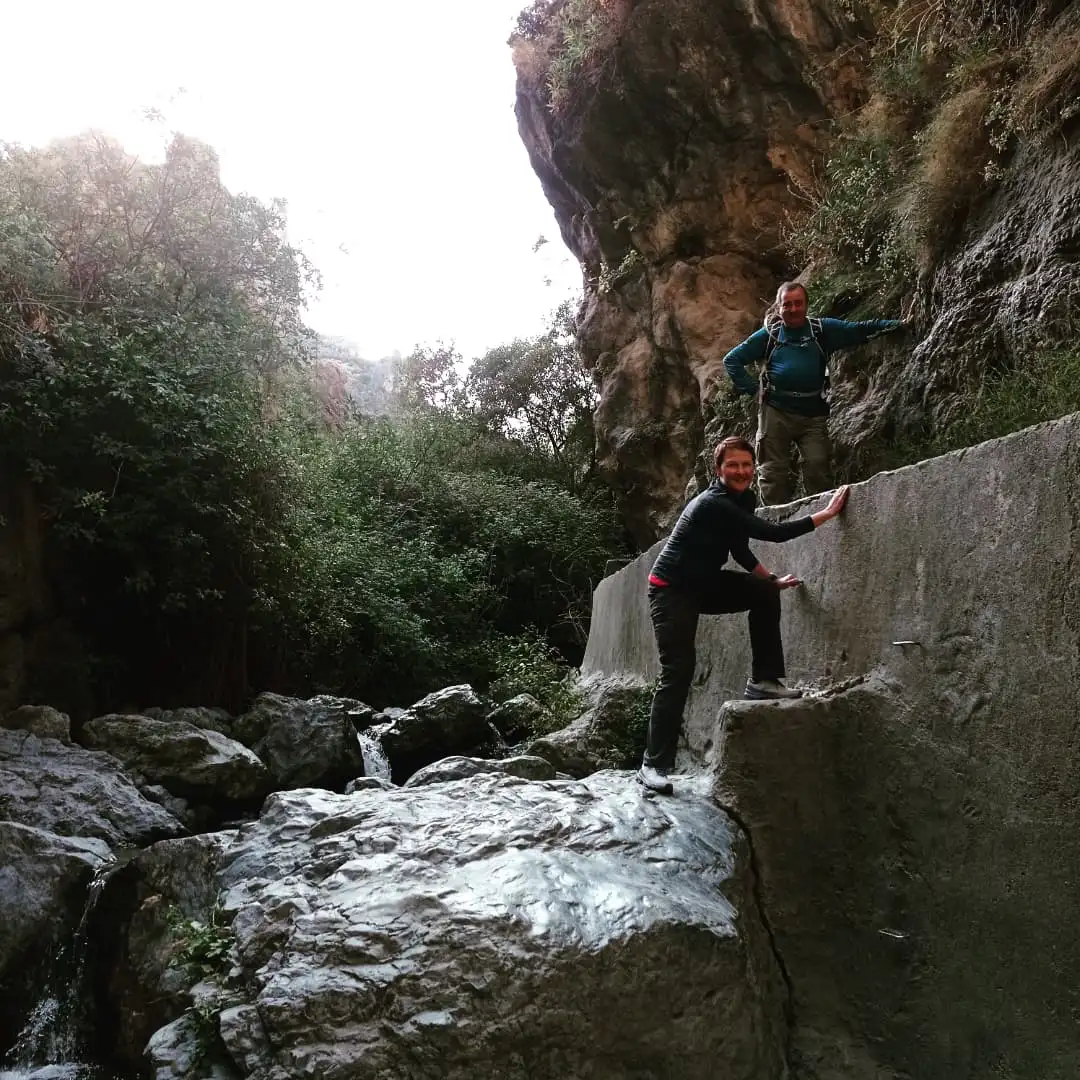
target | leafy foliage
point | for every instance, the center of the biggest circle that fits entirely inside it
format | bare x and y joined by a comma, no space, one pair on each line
419,555
567,45
210,533
202,949
528,665
539,391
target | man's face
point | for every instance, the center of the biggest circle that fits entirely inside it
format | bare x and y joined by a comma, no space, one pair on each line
737,470
793,308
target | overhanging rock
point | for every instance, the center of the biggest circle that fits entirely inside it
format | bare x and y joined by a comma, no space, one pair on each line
916,828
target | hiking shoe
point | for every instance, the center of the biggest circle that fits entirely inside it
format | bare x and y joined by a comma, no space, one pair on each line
770,690
654,780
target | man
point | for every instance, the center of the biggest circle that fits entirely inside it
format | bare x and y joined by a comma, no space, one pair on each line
793,404
687,581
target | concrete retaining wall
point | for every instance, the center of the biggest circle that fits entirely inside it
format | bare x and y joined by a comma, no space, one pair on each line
917,835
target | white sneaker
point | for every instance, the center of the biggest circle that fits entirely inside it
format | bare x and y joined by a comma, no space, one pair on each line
770,690
654,780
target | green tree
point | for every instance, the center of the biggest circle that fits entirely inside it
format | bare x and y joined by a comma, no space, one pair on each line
537,390
430,378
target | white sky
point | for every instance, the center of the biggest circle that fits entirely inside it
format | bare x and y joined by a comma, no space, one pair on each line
388,126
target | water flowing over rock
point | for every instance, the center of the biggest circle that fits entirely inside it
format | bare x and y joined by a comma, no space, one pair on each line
376,763
304,743
42,881
61,1031
75,792
458,768
499,927
448,722
188,761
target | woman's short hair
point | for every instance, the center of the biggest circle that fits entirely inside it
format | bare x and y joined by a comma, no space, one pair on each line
732,442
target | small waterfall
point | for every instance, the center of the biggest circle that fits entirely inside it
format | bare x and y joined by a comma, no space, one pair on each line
375,760
51,1045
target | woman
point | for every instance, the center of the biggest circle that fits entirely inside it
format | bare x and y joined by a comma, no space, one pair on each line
687,581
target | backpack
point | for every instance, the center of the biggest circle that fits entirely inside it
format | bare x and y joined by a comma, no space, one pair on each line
773,324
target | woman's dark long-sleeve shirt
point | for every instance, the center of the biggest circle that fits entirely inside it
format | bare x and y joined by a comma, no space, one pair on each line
713,525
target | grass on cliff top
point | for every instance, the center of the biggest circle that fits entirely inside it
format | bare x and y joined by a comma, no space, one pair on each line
566,46
956,89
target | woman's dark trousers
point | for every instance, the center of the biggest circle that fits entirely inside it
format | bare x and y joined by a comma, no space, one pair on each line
674,614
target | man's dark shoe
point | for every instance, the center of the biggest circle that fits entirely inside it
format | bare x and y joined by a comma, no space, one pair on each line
770,690
654,780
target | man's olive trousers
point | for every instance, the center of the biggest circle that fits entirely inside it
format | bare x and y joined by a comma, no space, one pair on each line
777,430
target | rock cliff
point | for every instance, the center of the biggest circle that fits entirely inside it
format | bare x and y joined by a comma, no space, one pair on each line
678,141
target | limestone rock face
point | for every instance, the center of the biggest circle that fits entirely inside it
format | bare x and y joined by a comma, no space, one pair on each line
75,792
672,173
670,185
497,927
188,761
148,989
304,743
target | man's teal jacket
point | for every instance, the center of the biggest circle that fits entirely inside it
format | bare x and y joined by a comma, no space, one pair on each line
798,365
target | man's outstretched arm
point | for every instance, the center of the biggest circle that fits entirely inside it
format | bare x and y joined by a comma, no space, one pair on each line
839,334
749,352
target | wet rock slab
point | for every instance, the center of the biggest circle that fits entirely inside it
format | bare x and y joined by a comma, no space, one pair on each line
495,926
186,760
75,792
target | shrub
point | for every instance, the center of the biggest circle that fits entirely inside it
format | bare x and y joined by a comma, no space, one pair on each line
528,665
566,46
1049,100
951,172
852,228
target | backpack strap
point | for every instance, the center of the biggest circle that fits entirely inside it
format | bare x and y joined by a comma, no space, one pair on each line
773,325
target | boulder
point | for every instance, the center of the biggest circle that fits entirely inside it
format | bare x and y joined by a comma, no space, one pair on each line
501,928
609,734
458,768
450,721
39,720
367,783
179,1052
304,743
191,762
208,717
43,880
517,718
168,885
75,792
